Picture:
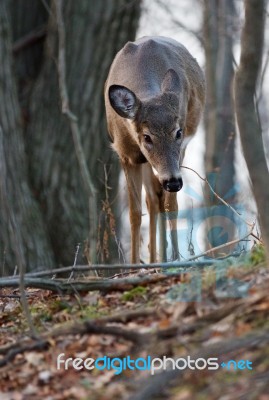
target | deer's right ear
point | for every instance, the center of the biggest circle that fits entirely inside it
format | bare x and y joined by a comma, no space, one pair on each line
171,82
124,101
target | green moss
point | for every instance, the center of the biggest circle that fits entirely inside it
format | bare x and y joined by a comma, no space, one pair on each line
91,312
134,293
45,317
257,255
60,305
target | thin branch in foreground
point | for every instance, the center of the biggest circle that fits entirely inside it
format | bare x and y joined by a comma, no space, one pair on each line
222,246
251,224
130,267
75,263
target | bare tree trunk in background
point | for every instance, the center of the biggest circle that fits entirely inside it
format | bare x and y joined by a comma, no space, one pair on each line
28,21
219,115
250,130
95,31
17,205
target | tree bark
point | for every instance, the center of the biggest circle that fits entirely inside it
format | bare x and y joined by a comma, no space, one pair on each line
17,206
220,124
95,31
28,20
250,130
219,115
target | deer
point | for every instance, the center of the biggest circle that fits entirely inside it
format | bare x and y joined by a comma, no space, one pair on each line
154,99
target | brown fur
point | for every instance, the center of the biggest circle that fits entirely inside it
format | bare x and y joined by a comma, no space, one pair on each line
154,88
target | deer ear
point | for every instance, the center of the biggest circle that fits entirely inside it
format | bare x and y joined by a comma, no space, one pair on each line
124,101
171,82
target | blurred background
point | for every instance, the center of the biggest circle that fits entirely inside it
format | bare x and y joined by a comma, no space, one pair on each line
44,208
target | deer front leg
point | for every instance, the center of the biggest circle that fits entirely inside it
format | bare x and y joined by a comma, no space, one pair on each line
153,192
171,211
162,229
133,176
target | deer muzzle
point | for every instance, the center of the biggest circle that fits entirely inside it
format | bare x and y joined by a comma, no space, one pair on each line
173,184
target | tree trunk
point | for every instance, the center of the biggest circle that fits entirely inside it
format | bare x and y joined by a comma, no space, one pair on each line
16,201
41,185
95,31
28,21
219,116
250,129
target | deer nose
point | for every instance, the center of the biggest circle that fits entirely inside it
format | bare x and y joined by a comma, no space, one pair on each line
173,184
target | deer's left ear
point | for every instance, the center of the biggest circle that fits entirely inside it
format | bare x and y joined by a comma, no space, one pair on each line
124,101
171,82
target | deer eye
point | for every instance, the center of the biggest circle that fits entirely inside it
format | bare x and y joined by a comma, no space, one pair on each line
147,139
179,133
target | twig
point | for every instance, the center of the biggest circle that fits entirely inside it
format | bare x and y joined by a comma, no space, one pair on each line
11,296
85,174
129,315
29,39
112,267
47,7
251,224
180,24
222,246
220,198
133,336
75,262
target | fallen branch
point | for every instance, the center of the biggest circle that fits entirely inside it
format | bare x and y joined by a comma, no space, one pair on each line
96,326
105,285
106,267
79,328
22,348
214,316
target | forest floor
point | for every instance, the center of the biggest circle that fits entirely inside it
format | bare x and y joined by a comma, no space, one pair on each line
194,315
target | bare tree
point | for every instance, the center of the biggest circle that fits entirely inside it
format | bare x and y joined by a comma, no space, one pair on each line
248,122
218,21
17,202
45,174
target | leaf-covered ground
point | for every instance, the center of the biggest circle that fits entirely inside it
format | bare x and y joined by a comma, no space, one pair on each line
200,314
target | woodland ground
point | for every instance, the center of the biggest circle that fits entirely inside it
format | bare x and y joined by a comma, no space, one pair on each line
141,320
